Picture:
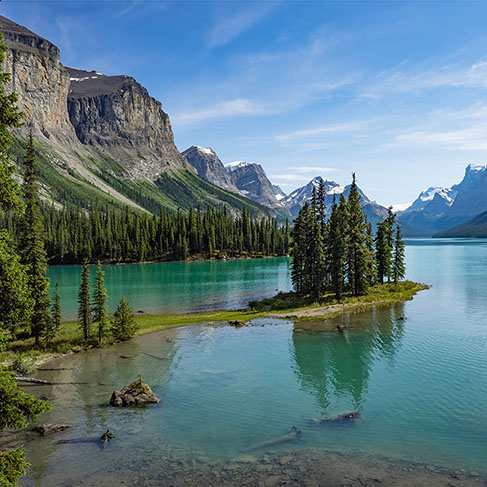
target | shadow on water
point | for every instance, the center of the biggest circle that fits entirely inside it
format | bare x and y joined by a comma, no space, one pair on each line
329,362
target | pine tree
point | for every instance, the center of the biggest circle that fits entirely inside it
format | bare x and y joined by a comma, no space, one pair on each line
84,309
16,407
382,252
124,325
15,301
33,252
356,243
398,266
56,309
336,248
370,267
100,309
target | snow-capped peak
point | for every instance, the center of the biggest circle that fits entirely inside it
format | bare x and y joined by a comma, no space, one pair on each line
231,166
476,167
207,150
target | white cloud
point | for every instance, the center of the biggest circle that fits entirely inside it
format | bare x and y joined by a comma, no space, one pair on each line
226,109
320,131
229,27
314,169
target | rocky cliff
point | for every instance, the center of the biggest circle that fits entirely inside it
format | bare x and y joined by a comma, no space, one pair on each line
40,81
209,167
116,116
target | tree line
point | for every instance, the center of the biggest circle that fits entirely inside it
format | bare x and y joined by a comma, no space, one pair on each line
110,235
341,254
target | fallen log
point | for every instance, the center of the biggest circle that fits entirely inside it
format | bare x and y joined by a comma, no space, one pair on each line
58,368
294,433
348,417
154,356
33,381
46,429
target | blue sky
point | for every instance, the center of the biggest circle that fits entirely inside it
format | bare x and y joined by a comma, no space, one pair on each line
393,91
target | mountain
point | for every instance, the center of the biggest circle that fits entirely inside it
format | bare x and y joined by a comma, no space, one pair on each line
209,167
252,182
278,192
100,138
476,227
437,209
296,200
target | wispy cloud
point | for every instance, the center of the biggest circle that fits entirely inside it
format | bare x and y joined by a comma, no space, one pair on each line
226,109
321,131
314,169
230,26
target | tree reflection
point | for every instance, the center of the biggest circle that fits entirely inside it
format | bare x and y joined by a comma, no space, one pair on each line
330,364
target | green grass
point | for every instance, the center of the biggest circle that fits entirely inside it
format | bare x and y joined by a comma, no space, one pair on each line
69,336
387,292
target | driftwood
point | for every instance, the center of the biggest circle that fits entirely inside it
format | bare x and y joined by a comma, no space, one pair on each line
100,441
33,381
294,433
57,368
348,417
49,428
40,382
154,356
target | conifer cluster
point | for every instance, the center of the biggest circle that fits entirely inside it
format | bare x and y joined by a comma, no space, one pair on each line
340,254
73,236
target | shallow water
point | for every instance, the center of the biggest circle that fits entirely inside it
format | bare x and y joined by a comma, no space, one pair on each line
419,382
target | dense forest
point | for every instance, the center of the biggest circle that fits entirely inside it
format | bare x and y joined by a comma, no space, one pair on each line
341,254
110,235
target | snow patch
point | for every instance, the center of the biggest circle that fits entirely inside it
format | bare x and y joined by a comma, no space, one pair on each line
401,206
231,166
207,150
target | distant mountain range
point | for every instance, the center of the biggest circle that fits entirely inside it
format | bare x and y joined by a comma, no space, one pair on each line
438,209
101,138
252,182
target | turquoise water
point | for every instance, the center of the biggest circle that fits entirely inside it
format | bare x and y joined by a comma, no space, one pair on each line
420,382
179,287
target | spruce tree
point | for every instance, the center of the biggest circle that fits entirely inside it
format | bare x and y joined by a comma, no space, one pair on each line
16,407
357,254
56,309
398,265
382,252
33,252
336,248
124,325
84,309
370,267
100,304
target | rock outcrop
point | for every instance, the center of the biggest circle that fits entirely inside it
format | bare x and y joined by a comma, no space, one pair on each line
135,394
209,167
40,81
116,116
252,181
47,429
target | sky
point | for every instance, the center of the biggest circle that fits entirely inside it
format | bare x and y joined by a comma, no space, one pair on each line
394,91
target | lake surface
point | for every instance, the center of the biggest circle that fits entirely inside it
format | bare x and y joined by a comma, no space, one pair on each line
419,382
179,287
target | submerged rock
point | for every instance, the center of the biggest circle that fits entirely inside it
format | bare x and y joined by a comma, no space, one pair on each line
236,323
46,429
135,394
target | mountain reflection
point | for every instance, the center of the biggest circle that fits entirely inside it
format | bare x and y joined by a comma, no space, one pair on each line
330,364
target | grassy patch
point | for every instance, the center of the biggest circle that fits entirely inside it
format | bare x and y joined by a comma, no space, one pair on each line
387,292
69,337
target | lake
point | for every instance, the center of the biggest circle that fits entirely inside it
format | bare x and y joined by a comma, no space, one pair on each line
417,372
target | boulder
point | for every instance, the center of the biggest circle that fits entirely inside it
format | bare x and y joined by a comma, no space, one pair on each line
135,394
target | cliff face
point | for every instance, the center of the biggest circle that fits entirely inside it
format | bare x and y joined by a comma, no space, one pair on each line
117,115
209,167
38,78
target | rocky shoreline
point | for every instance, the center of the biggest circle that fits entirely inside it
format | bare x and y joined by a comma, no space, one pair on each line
304,468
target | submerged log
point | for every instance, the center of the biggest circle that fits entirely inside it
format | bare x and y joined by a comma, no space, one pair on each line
46,429
348,417
56,368
32,381
154,356
294,433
